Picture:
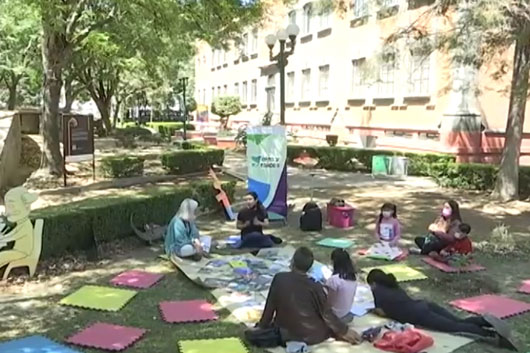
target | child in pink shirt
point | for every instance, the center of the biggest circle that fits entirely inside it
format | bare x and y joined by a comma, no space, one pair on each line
342,285
387,227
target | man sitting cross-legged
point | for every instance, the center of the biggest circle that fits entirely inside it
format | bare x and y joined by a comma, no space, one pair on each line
297,307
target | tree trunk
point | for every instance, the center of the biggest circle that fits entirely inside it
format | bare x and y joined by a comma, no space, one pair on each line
12,100
53,57
507,184
116,114
104,110
68,95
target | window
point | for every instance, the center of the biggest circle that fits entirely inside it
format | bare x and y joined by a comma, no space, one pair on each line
358,78
418,75
244,93
306,85
254,43
386,77
218,90
308,18
236,89
224,56
290,87
360,8
292,17
271,93
244,45
323,81
213,57
203,100
254,92
225,90
325,19
213,94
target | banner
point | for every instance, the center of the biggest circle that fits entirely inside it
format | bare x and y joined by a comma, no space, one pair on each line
267,166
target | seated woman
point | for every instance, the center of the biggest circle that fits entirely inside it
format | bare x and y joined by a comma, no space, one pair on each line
182,236
393,302
251,220
441,231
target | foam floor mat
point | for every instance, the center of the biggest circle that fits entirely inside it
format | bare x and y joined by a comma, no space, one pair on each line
136,279
220,345
525,288
34,344
402,272
450,269
496,305
99,298
107,337
335,243
187,311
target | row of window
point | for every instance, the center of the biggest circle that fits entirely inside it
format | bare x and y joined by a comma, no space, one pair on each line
241,90
247,47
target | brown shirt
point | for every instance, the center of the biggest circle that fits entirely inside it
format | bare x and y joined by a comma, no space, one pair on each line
298,306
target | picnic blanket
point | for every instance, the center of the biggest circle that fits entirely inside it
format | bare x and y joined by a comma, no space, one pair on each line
240,283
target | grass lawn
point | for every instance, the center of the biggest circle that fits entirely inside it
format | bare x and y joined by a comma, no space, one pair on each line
32,308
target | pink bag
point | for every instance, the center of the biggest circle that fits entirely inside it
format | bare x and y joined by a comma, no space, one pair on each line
409,341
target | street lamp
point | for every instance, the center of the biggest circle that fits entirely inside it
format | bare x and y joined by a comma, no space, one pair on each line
281,58
184,83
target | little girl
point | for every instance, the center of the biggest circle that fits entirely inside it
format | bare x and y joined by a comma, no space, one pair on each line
387,228
342,285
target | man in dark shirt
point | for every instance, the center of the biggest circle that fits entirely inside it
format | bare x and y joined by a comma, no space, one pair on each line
297,305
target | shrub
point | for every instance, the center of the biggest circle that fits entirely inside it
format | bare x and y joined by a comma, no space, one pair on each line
74,226
133,131
226,106
190,161
122,166
168,129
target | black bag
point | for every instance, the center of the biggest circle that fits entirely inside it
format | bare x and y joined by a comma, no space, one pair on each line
311,219
264,337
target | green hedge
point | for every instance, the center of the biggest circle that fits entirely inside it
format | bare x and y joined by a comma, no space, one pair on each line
122,166
356,159
74,226
442,167
168,129
190,161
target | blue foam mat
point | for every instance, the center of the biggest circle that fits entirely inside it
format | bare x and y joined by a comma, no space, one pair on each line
34,344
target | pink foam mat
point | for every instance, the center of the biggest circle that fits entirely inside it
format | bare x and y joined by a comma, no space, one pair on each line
525,287
107,337
136,279
450,269
187,311
496,305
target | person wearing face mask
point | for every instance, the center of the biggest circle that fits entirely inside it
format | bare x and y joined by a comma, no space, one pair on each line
441,232
387,227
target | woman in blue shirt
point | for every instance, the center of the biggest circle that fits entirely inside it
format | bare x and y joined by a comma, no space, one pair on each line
182,236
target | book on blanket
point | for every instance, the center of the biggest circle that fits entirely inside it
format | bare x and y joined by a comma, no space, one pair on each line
384,251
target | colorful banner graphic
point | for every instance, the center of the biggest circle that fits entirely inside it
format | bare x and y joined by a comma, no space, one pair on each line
267,166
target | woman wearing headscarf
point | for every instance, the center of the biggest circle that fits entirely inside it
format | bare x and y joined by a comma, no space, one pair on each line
182,236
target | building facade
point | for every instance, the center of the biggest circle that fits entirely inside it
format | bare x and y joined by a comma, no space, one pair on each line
341,79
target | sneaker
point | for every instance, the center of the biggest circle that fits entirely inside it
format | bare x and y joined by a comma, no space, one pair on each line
414,251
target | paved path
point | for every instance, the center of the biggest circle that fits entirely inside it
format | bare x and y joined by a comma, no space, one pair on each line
299,178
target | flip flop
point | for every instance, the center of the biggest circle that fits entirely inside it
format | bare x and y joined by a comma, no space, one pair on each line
503,330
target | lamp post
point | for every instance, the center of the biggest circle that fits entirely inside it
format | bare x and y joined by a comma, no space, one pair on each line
184,83
281,58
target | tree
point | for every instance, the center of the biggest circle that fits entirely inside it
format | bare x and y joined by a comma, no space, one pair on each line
477,31
226,106
19,37
66,24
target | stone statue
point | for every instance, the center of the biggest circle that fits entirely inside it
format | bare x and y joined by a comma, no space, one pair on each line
18,230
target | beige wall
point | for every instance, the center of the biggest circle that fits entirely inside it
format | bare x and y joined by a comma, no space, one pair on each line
337,45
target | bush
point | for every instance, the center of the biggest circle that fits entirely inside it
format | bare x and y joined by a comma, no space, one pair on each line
356,159
122,166
168,129
132,131
190,161
74,226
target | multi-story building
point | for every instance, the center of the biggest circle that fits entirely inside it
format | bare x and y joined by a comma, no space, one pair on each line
342,79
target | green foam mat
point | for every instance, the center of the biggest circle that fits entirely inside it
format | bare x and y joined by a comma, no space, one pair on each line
99,298
402,272
335,243
220,345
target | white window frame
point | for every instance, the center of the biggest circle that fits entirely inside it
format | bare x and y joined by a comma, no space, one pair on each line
358,79
308,18
323,82
290,89
386,85
236,89
244,92
245,44
254,35
306,85
324,19
419,75
360,8
253,91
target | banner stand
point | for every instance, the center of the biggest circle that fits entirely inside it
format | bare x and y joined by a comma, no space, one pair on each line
78,141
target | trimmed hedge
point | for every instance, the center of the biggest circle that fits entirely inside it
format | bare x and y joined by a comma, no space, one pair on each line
168,129
74,226
442,167
356,159
122,166
194,160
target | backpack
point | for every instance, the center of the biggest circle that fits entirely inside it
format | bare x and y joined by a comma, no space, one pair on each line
311,218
